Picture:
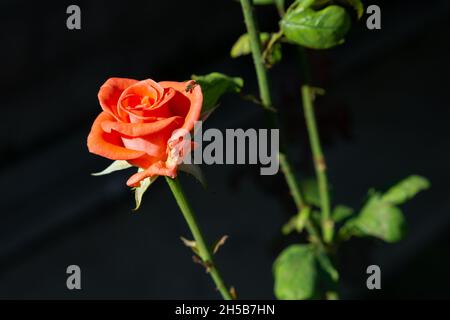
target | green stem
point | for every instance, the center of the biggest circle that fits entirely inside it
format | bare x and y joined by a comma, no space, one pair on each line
255,45
203,250
266,99
298,198
291,182
319,161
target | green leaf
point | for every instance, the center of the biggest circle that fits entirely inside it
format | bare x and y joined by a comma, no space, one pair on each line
297,222
379,219
406,189
115,166
289,226
214,85
275,54
139,191
341,212
295,273
327,265
310,191
269,42
242,45
272,53
320,29
316,217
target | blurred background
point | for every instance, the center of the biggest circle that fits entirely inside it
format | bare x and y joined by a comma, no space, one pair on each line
385,116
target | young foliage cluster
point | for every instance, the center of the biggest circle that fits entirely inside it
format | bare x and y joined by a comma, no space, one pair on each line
308,271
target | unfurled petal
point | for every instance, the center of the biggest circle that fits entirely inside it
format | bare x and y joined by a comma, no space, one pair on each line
109,94
194,96
108,145
154,145
141,129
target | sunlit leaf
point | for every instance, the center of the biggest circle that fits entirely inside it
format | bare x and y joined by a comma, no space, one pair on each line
378,219
214,85
115,166
320,29
295,273
272,55
341,212
242,45
406,189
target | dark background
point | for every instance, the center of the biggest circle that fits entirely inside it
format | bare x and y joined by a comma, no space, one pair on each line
385,116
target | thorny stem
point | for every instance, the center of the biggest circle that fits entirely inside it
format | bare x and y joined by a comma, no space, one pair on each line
203,250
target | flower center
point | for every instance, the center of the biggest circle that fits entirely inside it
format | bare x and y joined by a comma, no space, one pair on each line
147,101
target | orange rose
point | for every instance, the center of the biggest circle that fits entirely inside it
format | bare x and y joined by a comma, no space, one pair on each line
138,120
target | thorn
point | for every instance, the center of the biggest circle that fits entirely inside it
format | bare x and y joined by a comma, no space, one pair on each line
189,243
233,293
220,243
316,91
196,259
206,265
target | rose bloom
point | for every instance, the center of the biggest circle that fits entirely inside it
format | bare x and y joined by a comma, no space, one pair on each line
138,120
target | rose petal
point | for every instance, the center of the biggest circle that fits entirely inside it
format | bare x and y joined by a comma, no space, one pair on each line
108,145
140,129
143,162
109,94
195,97
157,110
153,145
132,97
157,168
